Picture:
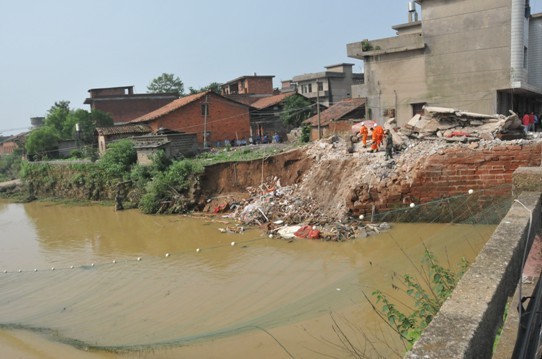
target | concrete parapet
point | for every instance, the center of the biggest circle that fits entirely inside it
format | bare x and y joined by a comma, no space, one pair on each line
467,323
527,179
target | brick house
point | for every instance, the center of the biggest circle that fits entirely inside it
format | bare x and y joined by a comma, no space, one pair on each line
249,85
338,119
109,134
265,115
10,144
123,105
221,118
174,145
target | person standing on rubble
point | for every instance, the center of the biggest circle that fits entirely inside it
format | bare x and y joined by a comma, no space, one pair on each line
378,137
389,145
363,132
526,121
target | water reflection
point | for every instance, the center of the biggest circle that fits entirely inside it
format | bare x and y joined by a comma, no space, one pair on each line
202,299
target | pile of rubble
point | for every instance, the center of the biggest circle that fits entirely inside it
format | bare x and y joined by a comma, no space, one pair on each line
457,126
285,212
317,206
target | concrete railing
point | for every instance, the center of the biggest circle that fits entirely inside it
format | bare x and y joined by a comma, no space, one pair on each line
467,323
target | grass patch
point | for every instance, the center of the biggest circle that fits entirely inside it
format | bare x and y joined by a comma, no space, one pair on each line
244,153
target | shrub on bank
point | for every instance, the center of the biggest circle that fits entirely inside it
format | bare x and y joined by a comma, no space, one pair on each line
173,191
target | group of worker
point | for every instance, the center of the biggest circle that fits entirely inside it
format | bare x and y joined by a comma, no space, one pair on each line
377,136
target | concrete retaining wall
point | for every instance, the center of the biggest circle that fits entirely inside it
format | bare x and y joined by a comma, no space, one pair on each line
467,323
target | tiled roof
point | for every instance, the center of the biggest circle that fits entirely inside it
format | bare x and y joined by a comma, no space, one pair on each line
170,107
123,130
337,111
271,101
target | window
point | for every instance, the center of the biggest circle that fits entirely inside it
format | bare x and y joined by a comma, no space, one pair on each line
204,109
320,86
525,54
309,88
417,108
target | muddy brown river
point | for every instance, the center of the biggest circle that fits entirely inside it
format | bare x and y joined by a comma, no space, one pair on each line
89,282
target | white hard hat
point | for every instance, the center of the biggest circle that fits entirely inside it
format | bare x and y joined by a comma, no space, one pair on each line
363,123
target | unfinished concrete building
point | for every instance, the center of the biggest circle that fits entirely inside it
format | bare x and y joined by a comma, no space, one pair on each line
482,56
330,86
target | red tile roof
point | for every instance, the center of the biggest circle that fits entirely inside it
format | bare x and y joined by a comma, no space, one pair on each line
170,107
271,101
337,111
123,130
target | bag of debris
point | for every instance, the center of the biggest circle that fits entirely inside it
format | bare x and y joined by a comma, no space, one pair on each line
307,232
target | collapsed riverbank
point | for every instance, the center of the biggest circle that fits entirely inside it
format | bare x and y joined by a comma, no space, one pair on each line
325,183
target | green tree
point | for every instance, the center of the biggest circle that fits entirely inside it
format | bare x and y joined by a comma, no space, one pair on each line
296,109
118,159
10,165
166,83
56,118
42,142
87,121
213,86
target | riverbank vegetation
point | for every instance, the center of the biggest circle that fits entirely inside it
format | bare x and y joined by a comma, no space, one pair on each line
164,186
428,291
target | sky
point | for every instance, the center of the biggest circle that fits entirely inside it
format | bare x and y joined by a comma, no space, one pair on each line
53,50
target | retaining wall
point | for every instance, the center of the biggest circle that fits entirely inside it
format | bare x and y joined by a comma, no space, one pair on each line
467,323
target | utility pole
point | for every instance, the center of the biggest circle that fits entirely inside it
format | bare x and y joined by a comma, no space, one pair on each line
318,108
206,109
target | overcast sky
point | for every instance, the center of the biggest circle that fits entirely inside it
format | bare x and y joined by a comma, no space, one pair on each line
52,50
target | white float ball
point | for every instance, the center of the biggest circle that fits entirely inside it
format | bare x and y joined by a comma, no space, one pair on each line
138,258
232,244
197,250
35,270
471,191
167,255
71,267
361,216
92,264
114,261
412,205
20,270
52,268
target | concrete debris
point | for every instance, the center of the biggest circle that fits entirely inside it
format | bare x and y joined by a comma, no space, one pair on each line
284,212
451,125
336,183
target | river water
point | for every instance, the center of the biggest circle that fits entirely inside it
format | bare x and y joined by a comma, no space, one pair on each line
89,282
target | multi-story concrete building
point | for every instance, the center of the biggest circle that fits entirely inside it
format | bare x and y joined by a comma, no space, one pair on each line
480,56
123,105
330,86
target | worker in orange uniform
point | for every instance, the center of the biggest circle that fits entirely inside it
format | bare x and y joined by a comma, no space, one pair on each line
363,132
378,137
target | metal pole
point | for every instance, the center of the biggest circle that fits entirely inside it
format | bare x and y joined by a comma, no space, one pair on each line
318,109
205,124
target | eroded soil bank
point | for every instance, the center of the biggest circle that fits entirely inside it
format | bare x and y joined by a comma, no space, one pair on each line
329,184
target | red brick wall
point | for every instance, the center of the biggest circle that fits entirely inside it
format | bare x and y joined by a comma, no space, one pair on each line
340,128
8,147
125,110
451,173
259,85
225,120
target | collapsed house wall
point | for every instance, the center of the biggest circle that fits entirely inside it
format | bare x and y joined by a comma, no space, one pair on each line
449,172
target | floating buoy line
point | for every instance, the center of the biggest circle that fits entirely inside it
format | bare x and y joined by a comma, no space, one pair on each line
166,255
136,259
